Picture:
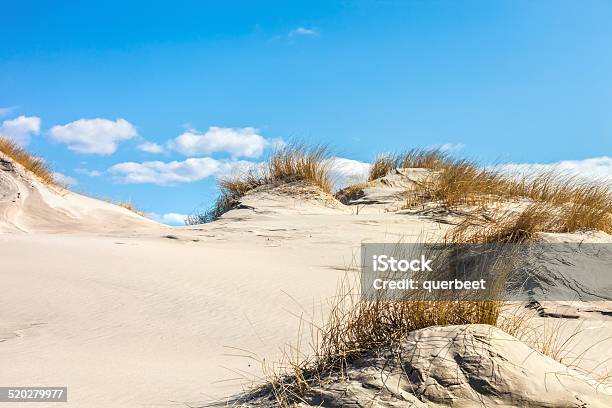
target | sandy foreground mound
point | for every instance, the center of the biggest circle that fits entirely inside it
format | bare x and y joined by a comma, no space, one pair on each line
28,205
462,366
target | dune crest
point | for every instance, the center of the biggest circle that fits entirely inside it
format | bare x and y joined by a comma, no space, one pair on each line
29,205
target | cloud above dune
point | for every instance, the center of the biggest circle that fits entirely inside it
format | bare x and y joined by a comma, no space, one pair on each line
20,129
158,172
93,136
345,172
237,142
175,172
592,169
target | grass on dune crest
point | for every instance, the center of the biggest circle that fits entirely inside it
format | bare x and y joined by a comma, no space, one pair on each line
517,227
560,203
33,164
294,162
461,183
433,159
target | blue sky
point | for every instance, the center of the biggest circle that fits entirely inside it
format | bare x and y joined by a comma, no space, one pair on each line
509,81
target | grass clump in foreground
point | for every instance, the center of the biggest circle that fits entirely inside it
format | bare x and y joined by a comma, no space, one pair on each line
33,164
364,328
288,164
355,327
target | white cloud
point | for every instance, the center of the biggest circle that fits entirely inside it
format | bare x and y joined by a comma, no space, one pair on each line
238,142
20,129
168,218
593,169
175,172
345,172
64,179
93,136
158,172
303,31
150,147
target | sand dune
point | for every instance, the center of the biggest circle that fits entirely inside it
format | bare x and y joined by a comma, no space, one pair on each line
127,312
28,205
466,366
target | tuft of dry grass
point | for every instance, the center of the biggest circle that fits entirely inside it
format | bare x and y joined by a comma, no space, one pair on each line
509,228
353,332
32,164
433,159
300,163
453,183
355,327
536,218
560,203
381,166
350,193
295,162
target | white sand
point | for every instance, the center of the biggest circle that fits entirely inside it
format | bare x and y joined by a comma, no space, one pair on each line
127,312
129,317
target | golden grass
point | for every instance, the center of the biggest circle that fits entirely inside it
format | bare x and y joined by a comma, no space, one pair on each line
432,159
538,217
509,228
300,163
350,193
560,203
355,327
288,164
381,166
462,183
364,328
32,164
549,202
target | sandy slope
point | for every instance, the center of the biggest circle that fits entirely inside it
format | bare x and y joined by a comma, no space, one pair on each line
144,316
127,312
27,205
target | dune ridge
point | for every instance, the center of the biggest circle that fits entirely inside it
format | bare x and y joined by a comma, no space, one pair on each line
129,312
